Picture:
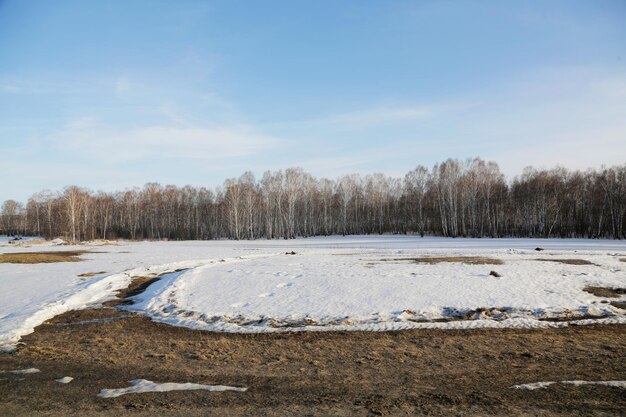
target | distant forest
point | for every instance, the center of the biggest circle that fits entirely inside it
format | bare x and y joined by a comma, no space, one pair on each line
455,198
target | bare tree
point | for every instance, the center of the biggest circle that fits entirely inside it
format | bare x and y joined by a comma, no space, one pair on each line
456,198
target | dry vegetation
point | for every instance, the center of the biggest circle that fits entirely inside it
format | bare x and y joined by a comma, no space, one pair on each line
567,261
42,257
137,286
470,260
606,292
609,293
91,274
27,243
421,372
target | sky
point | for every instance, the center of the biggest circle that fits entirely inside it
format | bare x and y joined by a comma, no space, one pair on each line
110,95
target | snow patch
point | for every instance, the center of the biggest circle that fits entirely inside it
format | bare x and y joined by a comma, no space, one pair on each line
533,385
618,384
538,385
325,290
143,385
65,380
25,371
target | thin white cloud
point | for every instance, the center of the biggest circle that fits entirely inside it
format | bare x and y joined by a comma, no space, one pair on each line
174,115
122,85
575,150
85,138
611,87
9,88
375,116
18,86
380,115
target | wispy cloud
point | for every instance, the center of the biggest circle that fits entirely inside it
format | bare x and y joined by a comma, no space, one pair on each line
379,115
122,85
172,114
86,138
575,150
9,88
611,87
18,86
374,116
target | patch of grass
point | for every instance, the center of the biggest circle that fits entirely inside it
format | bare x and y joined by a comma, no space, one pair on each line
42,257
27,243
470,260
91,274
606,292
619,304
567,261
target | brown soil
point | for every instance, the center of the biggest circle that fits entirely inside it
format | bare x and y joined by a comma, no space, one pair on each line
42,257
619,304
137,286
606,292
622,259
418,372
471,260
567,261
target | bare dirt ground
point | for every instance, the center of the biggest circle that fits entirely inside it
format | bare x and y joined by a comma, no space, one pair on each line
567,261
418,372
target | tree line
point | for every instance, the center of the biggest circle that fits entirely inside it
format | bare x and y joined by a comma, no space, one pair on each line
455,198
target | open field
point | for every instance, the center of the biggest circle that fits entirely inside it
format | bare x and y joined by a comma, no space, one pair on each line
336,326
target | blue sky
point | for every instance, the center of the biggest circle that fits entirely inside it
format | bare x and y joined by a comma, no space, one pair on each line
113,94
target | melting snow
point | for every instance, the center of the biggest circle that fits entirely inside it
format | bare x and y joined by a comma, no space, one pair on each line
143,385
537,385
25,371
534,385
327,285
65,380
618,384
373,290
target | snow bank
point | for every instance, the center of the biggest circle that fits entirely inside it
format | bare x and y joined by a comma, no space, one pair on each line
143,385
15,325
33,293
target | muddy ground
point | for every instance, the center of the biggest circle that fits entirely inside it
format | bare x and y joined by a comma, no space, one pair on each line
417,372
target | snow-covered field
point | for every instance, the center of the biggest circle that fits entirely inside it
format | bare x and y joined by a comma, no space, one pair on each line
351,283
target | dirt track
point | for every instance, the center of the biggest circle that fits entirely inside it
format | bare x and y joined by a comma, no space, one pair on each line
418,372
